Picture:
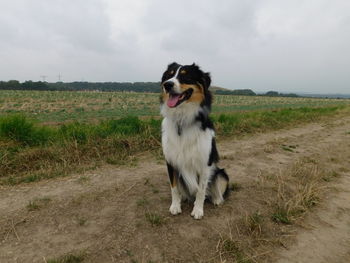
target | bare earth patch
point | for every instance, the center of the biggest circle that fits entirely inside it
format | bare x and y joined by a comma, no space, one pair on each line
290,203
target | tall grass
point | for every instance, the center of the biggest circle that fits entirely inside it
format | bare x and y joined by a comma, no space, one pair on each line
18,128
31,152
259,121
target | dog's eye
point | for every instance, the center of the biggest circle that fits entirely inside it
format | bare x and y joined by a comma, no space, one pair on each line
183,72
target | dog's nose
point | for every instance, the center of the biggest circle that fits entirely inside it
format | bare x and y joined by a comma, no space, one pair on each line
168,86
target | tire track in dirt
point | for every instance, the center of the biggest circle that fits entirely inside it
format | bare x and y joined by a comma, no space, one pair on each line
104,215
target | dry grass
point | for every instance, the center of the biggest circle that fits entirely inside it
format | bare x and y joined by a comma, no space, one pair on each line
297,191
289,195
61,106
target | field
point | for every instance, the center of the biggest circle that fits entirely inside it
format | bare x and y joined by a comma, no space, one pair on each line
82,179
51,107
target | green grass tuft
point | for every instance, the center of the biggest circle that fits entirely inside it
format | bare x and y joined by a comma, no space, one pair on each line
21,129
154,218
69,258
281,216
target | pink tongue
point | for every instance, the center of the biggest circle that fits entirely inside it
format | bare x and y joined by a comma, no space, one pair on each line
173,99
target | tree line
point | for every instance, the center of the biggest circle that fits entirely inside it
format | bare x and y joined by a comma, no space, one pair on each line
153,87
81,86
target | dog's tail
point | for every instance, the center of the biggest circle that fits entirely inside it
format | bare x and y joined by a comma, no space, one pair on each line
219,186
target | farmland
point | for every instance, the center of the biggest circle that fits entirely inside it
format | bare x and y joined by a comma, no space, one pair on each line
55,106
82,179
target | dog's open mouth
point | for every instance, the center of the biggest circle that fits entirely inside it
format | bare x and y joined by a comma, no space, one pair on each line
176,99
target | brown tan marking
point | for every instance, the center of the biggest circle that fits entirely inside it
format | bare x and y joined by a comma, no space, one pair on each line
174,179
197,95
165,96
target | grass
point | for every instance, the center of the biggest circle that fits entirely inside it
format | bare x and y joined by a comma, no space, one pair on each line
38,203
231,248
81,221
69,258
30,151
56,106
254,222
142,202
154,218
280,201
298,192
281,215
71,146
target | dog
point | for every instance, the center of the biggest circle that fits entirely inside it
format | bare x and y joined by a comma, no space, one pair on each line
188,139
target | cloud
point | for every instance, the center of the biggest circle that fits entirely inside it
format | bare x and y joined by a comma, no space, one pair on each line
259,44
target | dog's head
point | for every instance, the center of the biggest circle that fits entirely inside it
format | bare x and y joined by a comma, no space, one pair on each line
185,84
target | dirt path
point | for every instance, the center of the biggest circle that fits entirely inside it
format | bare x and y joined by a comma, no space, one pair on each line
121,214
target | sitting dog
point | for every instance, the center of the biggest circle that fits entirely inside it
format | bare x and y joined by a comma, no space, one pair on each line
188,139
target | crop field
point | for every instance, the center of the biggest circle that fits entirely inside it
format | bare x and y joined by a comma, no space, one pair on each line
54,106
83,179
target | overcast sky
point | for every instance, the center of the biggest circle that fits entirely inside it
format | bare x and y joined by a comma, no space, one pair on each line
290,45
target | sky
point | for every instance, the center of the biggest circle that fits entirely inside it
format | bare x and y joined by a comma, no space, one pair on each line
287,46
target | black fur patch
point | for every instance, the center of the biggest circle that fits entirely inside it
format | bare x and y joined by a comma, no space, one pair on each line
208,98
179,130
170,72
220,172
214,155
205,121
172,174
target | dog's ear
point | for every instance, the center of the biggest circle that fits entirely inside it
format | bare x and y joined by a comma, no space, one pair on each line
195,66
173,65
206,79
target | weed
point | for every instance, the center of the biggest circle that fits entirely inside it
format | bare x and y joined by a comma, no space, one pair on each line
154,218
235,186
142,202
297,191
280,215
83,179
154,189
37,203
19,128
81,221
69,258
254,222
287,148
231,248
330,176
32,206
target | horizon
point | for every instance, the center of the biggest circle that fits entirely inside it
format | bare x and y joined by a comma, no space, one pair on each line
300,93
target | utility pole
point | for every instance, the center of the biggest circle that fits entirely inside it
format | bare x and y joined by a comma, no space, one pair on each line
59,77
43,77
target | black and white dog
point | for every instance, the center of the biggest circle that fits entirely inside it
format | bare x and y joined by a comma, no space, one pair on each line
188,139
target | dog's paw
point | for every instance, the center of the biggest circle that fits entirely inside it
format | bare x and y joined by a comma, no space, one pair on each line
175,209
197,213
218,201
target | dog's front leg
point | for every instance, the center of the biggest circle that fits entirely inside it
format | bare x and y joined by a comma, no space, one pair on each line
175,207
197,211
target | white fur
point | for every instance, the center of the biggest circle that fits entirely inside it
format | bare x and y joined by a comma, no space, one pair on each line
175,207
188,153
176,82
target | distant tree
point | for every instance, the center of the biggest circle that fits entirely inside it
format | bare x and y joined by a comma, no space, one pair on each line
292,95
271,94
242,92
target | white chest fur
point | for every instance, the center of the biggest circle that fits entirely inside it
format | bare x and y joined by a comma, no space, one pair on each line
188,151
